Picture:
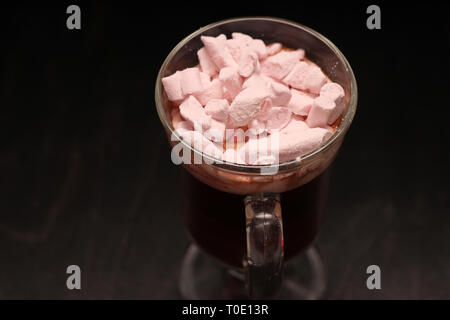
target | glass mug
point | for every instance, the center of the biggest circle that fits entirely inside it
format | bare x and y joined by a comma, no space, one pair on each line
233,211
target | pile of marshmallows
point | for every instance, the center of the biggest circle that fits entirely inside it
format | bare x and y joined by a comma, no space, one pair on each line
240,83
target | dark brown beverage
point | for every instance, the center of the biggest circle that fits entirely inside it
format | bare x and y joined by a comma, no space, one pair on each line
215,220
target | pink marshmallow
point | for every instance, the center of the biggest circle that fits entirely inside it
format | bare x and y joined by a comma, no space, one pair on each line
212,150
257,126
249,150
175,117
244,38
193,138
273,48
279,93
295,125
327,108
193,111
218,109
258,148
184,125
249,63
335,92
306,77
263,114
279,65
259,47
323,112
332,90
255,80
179,123
222,38
316,80
227,95
172,86
278,118
190,81
205,79
212,91
240,43
216,132
296,144
246,105
218,52
300,103
235,137
200,143
235,47
231,80
206,64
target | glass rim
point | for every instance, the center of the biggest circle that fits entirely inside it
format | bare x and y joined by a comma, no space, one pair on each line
245,168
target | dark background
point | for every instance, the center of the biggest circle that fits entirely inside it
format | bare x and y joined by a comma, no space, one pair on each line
85,170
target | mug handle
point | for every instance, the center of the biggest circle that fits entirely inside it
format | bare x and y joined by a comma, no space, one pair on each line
264,259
